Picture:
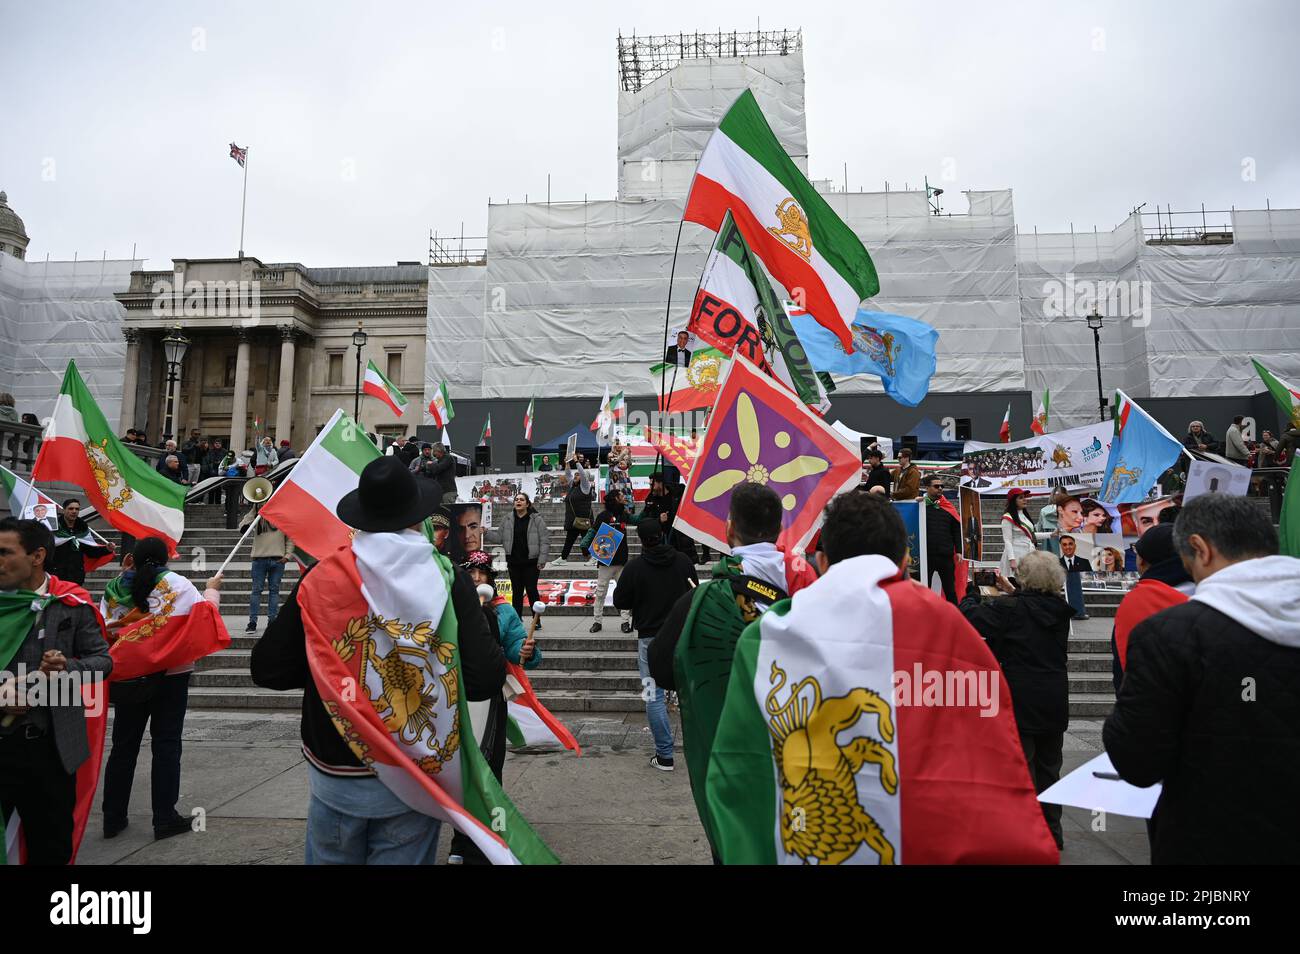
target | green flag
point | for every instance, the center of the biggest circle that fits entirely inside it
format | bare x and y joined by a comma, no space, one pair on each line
1288,521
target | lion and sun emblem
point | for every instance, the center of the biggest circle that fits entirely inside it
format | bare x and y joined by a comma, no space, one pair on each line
821,816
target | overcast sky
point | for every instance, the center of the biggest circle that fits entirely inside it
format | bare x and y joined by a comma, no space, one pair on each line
371,123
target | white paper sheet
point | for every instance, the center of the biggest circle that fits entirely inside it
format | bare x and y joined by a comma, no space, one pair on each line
1083,789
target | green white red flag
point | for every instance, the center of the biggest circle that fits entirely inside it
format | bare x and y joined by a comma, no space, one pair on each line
1039,424
303,505
487,431
376,385
79,448
24,495
803,243
1004,432
440,407
866,722
530,722
693,386
179,628
528,420
1285,393
382,646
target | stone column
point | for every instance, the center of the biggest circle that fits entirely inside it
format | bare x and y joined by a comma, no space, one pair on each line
177,424
284,399
130,381
239,408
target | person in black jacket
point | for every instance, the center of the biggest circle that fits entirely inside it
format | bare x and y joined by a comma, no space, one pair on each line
577,506
1210,702
73,544
353,816
614,515
662,505
649,586
442,471
878,474
942,538
1028,631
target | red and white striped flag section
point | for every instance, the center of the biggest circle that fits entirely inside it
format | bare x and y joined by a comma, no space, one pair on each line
383,651
528,420
1004,432
79,448
787,223
1039,424
376,385
530,722
18,611
865,647
239,154
180,627
304,503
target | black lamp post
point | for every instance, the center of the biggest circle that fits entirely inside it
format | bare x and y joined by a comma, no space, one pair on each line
1094,322
359,338
174,347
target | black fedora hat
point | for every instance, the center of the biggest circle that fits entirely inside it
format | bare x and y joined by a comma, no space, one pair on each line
388,498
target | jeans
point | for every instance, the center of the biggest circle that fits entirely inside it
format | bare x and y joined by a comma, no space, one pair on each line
268,571
523,579
164,714
656,713
358,821
603,575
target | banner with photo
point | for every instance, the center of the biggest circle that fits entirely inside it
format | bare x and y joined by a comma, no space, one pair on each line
547,485
1074,459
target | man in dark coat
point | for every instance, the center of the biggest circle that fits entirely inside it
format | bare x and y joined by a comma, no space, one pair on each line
942,537
1210,702
71,546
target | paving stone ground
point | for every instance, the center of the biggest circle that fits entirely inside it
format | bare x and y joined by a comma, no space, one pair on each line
247,773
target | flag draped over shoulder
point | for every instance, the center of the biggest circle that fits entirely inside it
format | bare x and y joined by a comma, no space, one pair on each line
1141,451
376,385
530,722
18,611
762,433
867,722
803,243
179,628
303,505
80,449
382,645
900,350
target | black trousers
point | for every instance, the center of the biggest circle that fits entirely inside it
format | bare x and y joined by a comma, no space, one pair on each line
164,714
570,535
523,577
33,781
1043,753
942,564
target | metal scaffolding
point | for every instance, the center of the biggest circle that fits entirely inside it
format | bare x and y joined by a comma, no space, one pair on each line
641,59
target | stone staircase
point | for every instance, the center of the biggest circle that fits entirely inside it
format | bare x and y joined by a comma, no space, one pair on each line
582,671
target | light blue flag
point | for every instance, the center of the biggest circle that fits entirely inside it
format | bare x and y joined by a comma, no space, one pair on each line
605,545
1141,451
900,350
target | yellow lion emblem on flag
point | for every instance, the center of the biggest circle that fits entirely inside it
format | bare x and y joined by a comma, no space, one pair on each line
793,223
821,816
108,478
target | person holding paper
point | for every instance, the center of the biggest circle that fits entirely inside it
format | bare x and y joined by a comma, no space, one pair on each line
1209,705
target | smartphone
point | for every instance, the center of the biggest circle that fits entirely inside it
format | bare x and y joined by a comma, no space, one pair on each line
986,578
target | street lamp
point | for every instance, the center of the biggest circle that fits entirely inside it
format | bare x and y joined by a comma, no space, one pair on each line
359,338
1094,322
174,347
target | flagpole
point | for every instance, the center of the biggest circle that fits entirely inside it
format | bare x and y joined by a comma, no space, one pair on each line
668,308
243,205
256,518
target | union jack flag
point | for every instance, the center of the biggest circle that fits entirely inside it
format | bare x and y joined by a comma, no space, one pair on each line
238,153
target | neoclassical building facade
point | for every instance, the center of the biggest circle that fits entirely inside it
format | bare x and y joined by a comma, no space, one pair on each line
270,347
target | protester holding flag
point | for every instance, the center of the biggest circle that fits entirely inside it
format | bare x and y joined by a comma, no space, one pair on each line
49,754
77,548
1208,706
266,456
442,470
823,753
1028,629
384,606
153,615
577,506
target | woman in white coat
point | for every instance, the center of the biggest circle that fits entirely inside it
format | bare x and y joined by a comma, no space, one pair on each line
1018,534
